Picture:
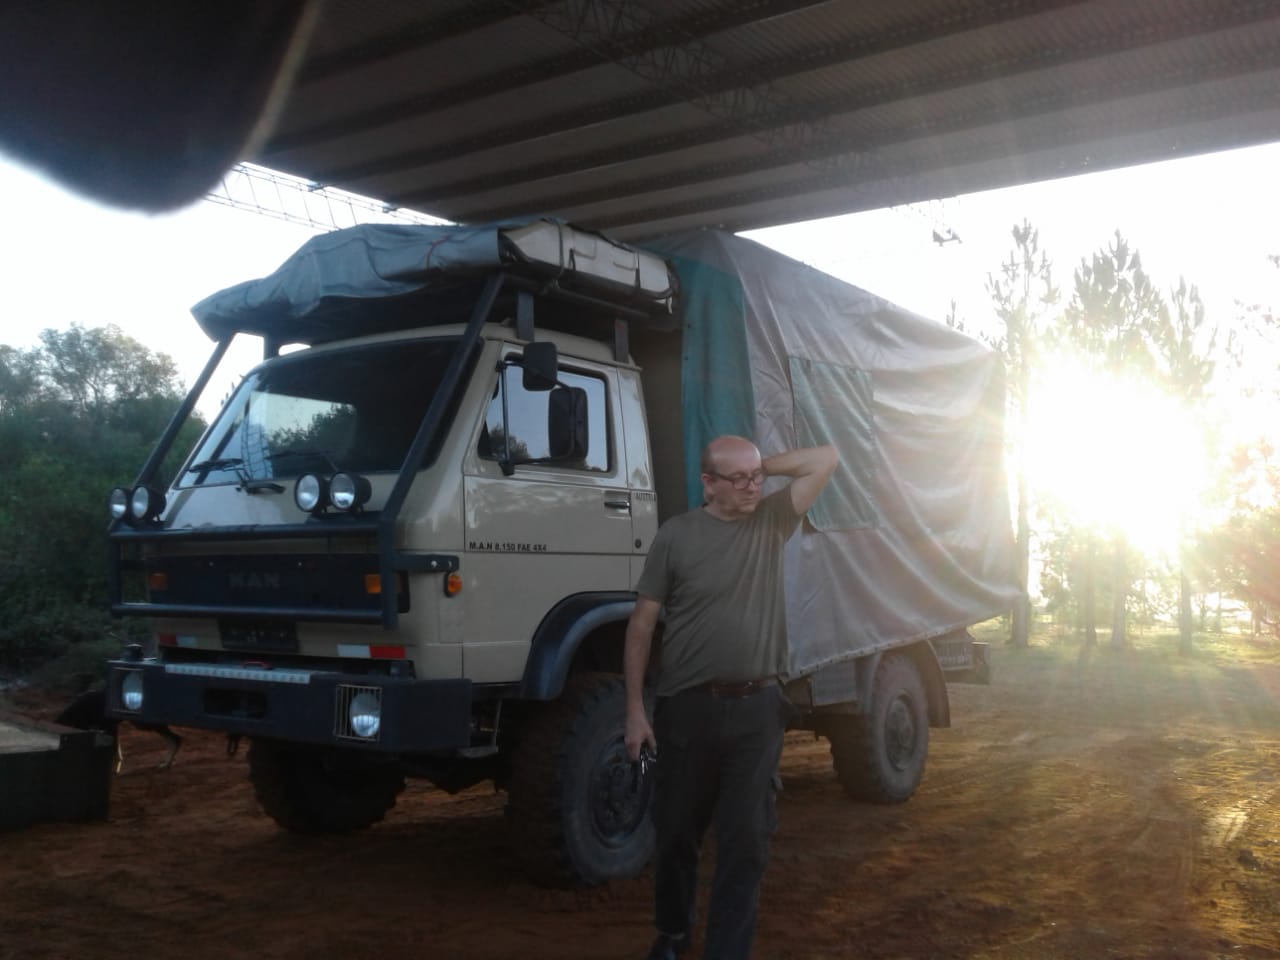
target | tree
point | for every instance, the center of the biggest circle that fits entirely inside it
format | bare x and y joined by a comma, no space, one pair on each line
19,377
1023,293
78,414
1241,555
1184,347
1111,321
96,367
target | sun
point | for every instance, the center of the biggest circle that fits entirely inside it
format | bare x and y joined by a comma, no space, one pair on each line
1116,454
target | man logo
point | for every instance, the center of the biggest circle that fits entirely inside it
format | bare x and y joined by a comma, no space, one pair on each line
253,581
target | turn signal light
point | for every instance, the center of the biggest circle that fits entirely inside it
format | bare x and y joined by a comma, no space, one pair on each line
373,584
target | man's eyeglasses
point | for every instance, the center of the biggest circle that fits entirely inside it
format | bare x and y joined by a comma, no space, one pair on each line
741,481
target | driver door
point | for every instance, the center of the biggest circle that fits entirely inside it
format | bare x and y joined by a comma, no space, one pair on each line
551,529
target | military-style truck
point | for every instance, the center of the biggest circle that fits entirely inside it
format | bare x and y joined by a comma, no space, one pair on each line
408,543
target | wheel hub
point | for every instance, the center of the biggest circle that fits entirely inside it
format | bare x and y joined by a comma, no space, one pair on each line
620,795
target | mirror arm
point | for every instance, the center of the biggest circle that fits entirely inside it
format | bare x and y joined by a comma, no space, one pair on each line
508,467
524,315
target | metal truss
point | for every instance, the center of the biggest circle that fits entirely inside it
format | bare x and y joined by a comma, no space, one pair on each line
296,200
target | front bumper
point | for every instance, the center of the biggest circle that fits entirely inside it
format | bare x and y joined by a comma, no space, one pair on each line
297,705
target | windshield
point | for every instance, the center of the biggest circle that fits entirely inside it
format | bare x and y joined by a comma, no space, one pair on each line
356,409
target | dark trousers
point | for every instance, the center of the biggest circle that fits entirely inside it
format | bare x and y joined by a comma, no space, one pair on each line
717,763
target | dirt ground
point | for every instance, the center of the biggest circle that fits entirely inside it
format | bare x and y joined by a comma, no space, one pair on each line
1119,805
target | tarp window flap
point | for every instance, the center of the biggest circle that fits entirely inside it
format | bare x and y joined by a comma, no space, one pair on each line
833,405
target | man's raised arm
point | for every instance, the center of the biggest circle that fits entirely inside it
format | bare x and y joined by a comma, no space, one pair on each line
811,468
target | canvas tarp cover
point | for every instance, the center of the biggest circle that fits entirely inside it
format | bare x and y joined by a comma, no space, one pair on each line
377,277
912,538
348,281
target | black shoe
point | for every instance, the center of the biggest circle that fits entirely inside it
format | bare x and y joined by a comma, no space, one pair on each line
668,948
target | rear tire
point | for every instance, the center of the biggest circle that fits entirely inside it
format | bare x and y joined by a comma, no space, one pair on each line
879,756
579,814
322,790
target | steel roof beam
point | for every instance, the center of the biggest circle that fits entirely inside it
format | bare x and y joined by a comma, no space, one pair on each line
680,73
407,37
839,149
796,131
609,40
747,107
1063,137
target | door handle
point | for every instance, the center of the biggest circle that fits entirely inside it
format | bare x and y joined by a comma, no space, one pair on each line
622,504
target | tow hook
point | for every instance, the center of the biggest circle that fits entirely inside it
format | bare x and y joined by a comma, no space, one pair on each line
233,744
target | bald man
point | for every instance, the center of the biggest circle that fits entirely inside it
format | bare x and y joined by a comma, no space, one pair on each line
720,713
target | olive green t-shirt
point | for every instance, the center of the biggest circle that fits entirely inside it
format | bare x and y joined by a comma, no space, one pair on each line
721,584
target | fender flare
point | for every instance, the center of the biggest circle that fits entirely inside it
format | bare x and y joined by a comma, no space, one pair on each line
557,638
926,661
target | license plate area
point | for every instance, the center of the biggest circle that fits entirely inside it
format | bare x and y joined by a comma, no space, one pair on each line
280,636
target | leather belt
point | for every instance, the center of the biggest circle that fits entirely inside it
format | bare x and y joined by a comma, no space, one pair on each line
735,691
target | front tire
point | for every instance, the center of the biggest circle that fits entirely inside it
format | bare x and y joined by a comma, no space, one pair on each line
578,809
317,790
879,756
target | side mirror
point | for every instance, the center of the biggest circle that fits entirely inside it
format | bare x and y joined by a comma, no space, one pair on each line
567,432
541,366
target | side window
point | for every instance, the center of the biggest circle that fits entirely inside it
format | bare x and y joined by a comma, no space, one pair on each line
528,414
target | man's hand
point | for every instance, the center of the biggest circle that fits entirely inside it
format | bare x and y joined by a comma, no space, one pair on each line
639,734
811,467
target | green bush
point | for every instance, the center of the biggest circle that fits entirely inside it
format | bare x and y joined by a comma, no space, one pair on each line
78,415
81,666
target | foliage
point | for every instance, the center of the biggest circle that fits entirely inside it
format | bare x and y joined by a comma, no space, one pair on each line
1184,344
1023,294
1114,312
1116,321
1184,350
1240,556
1068,548
1244,557
78,415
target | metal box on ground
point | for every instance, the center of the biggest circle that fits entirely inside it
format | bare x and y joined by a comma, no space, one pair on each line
52,773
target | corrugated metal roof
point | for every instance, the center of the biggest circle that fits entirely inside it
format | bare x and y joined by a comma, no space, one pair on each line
643,118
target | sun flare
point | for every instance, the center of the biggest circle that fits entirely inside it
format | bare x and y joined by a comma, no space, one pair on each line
1116,454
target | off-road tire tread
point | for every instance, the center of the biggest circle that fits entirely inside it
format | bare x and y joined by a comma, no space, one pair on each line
540,766
854,752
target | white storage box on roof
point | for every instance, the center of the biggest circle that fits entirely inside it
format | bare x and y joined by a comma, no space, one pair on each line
593,258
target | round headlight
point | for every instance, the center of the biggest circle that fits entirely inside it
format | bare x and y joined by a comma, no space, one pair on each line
118,503
139,502
348,491
308,492
131,691
365,714
145,504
